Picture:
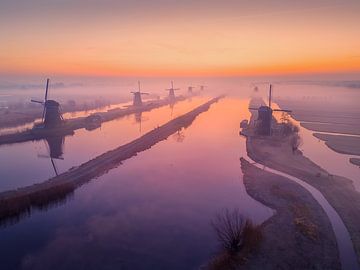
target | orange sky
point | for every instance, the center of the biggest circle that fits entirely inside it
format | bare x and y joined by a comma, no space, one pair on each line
169,38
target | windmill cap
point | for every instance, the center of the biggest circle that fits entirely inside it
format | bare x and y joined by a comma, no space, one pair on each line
52,103
265,109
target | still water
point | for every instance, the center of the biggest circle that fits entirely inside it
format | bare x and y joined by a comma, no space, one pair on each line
152,212
34,157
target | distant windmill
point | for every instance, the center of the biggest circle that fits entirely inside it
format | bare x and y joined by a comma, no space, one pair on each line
202,87
51,116
190,89
172,91
265,116
137,96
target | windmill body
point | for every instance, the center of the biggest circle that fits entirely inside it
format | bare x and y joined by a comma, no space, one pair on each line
52,114
137,101
51,117
190,90
172,91
264,119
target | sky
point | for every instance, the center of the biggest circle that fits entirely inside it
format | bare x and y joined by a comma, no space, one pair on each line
158,37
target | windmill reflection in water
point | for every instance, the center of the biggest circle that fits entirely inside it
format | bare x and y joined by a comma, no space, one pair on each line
55,149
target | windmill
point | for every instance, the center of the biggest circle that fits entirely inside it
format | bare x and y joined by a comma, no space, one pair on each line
265,116
51,116
190,90
137,96
172,91
55,147
202,87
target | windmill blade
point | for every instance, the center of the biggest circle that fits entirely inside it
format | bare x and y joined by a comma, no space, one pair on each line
47,156
54,166
47,89
254,109
176,89
43,156
144,93
44,111
280,110
46,95
270,90
37,101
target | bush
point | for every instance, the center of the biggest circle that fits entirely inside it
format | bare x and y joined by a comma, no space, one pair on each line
234,232
238,237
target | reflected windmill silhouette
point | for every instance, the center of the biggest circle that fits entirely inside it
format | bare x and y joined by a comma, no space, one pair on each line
139,119
171,106
179,136
55,147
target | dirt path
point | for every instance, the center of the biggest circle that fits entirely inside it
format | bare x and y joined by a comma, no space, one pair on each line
338,191
299,235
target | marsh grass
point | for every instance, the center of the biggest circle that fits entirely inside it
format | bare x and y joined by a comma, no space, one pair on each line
12,210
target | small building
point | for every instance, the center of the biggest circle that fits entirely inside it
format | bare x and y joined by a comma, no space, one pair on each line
93,122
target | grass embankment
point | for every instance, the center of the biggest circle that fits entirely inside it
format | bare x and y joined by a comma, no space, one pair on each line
299,235
339,191
70,125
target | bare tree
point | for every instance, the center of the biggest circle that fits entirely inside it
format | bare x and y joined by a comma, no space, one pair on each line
229,227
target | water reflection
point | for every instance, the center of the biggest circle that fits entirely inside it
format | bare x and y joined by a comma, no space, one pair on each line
81,147
153,212
139,119
179,136
55,146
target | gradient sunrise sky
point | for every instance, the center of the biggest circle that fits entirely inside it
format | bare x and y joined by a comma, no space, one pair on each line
169,37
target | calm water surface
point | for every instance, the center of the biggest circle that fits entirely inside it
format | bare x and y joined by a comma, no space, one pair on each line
152,212
34,157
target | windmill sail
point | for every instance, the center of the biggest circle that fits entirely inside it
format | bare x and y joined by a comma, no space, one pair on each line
46,95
